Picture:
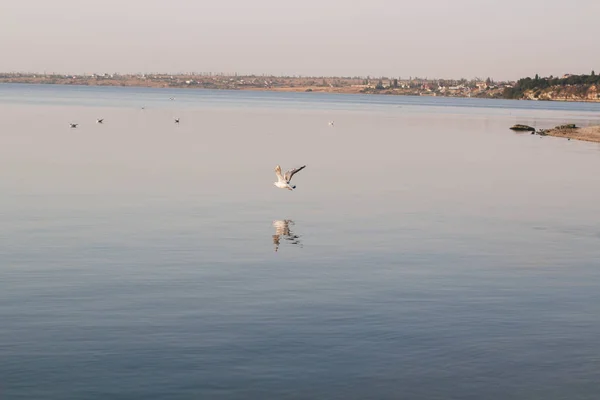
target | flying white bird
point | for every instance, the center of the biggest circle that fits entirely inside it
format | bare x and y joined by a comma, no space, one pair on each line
331,123
283,181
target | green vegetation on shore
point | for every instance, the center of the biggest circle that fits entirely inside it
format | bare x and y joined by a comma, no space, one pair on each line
568,87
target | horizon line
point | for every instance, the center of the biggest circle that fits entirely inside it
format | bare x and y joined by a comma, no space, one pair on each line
232,74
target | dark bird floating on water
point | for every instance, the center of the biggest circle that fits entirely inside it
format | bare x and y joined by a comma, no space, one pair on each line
73,125
176,120
99,121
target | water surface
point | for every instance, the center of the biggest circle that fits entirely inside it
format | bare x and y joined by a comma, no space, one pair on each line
428,251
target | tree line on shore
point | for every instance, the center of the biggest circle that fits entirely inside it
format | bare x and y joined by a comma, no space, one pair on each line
538,84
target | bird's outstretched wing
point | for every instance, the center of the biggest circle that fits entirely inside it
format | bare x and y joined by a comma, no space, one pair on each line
289,174
278,173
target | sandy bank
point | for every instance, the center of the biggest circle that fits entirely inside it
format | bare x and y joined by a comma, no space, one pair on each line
588,133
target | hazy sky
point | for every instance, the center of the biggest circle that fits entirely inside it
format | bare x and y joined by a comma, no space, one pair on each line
504,39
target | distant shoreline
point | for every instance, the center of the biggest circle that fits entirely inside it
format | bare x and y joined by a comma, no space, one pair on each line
341,85
567,89
289,89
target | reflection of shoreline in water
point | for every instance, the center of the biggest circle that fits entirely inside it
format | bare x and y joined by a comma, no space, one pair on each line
282,230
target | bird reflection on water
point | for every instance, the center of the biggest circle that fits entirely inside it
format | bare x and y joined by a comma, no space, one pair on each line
283,231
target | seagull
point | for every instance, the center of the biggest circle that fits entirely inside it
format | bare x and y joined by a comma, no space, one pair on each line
171,98
73,125
99,121
330,123
176,120
283,181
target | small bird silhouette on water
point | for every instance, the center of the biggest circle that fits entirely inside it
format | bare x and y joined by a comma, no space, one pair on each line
100,121
176,120
73,125
283,181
